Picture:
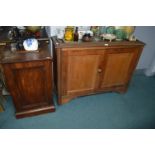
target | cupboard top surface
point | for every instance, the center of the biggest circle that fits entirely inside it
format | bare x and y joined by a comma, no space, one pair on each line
7,56
4,35
105,44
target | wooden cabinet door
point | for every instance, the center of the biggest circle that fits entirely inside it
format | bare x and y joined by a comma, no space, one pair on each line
118,66
30,84
79,71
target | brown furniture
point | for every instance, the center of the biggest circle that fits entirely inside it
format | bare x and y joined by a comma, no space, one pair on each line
1,108
28,76
87,68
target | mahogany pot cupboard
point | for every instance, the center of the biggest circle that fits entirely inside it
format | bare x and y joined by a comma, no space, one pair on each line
28,76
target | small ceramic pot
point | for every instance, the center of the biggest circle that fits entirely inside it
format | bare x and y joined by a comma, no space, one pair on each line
30,44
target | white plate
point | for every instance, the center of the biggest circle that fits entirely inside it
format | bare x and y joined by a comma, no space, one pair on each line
108,36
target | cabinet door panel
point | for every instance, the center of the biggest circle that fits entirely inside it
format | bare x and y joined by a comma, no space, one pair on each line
29,84
81,73
117,68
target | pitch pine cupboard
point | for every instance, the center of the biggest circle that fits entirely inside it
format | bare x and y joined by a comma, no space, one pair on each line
82,68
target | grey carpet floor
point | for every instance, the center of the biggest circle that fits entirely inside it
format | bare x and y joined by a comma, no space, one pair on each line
133,110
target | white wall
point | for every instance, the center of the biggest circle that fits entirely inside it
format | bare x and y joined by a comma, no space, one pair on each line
147,35
52,30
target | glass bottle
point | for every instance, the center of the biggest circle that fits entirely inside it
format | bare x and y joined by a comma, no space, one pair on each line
76,34
69,33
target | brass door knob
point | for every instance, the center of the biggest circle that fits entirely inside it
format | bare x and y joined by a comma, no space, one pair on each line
99,70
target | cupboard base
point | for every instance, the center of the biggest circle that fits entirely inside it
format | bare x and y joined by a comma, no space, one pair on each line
67,98
37,111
